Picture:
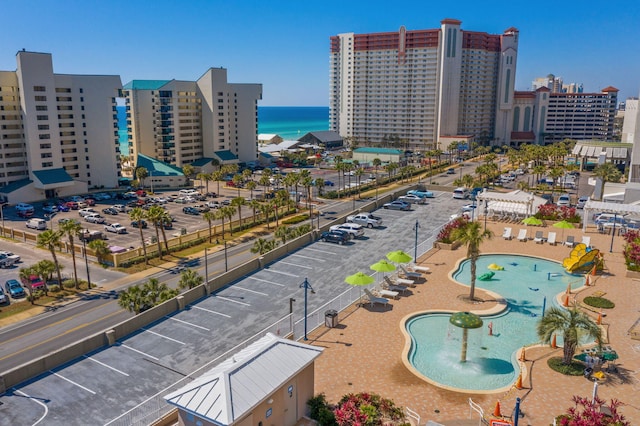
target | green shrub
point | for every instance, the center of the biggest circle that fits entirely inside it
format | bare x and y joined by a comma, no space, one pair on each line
68,284
574,369
599,302
295,219
54,288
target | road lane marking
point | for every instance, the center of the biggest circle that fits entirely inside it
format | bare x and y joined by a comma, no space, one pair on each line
46,409
72,382
162,335
140,352
251,291
265,281
308,257
231,300
105,365
296,265
188,323
319,251
211,312
280,272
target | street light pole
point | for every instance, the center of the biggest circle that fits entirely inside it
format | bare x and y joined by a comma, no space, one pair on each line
306,287
415,249
2,215
206,267
86,262
226,265
613,231
486,213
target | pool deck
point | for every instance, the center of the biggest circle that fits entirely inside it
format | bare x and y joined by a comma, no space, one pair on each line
363,354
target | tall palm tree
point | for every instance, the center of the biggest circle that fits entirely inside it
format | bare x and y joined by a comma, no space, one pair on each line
606,172
100,248
265,209
572,324
190,279
138,215
320,184
206,178
472,236
50,239
251,186
217,176
209,217
255,206
237,181
228,212
238,202
141,174
221,215
155,214
71,229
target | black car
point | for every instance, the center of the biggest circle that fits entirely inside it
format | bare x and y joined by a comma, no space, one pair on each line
190,210
339,237
110,210
135,224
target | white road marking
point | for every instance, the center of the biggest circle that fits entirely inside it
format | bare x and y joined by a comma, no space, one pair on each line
320,251
249,290
265,281
189,323
231,300
105,365
308,257
296,265
72,382
140,352
46,409
162,335
283,273
211,312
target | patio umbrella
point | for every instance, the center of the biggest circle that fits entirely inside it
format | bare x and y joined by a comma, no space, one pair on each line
359,279
399,256
532,220
383,266
563,224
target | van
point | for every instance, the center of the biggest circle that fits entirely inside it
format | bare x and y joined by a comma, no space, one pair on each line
461,193
187,192
39,224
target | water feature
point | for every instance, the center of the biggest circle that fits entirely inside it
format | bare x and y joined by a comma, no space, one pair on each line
526,284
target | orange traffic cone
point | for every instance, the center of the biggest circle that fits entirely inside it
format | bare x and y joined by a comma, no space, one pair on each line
496,410
587,281
565,300
594,269
568,289
519,381
553,342
523,355
599,320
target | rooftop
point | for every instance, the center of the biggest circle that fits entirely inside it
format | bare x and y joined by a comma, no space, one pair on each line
52,176
145,84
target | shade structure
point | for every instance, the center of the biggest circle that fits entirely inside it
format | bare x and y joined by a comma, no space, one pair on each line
383,266
465,320
359,279
399,256
563,224
532,220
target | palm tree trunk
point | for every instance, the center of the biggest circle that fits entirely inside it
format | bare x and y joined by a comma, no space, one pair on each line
144,247
210,234
472,284
55,260
73,257
164,237
158,241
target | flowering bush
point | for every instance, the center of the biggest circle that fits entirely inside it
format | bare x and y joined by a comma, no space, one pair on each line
588,413
632,250
444,236
553,212
367,409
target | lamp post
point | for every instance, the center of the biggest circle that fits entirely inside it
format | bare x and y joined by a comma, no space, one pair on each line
226,265
206,267
613,231
486,212
86,261
151,177
306,287
415,247
2,216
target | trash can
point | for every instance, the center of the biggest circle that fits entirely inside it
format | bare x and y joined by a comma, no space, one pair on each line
331,318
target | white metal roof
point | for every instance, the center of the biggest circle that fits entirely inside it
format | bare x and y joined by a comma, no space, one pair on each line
513,202
235,386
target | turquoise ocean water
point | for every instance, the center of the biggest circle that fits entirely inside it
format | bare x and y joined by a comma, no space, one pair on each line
288,122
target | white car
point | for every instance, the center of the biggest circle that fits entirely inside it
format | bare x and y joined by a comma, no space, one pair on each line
581,202
353,229
86,212
115,227
564,201
120,207
94,218
14,257
469,208
413,199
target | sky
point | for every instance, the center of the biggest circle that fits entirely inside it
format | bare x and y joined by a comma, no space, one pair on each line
284,45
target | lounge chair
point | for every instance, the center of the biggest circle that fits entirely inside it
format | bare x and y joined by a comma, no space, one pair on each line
586,240
408,274
571,241
399,282
416,268
506,234
522,235
551,238
374,299
382,292
538,239
388,285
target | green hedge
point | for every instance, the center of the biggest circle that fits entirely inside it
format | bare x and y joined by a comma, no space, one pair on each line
574,369
599,302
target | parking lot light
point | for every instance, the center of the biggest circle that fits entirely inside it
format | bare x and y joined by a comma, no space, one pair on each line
306,287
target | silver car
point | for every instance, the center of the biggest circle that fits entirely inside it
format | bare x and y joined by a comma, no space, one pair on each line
353,229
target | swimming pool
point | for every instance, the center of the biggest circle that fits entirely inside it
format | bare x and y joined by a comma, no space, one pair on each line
491,363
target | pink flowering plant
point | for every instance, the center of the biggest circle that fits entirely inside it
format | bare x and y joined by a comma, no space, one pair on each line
632,250
587,412
554,212
364,409
445,234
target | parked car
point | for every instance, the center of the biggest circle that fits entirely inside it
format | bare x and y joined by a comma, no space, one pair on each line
116,228
412,199
110,210
339,237
94,218
87,212
142,223
353,229
14,289
6,261
202,208
92,235
365,219
328,183
469,208
4,299
581,202
397,205
213,204
10,255
120,208
62,207
451,171
39,224
190,210
423,194
34,283
49,208
564,201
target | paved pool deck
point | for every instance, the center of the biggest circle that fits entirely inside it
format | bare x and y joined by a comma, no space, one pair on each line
364,353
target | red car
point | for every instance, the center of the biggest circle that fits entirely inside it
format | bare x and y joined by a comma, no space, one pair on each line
72,205
90,201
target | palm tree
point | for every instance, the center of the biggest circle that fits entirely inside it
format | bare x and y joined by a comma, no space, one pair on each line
190,279
155,214
100,248
71,228
206,178
217,176
141,174
132,299
320,185
283,232
209,217
228,212
138,215
262,246
45,269
573,325
25,277
472,236
237,181
50,239
606,172
188,170
255,205
220,215
251,186
156,293
265,209
238,202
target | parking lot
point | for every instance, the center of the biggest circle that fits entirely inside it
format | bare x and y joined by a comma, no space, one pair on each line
99,387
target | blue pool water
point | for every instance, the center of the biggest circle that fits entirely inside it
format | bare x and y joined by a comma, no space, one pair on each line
491,360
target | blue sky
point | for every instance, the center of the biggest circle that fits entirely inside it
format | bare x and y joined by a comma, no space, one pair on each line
285,44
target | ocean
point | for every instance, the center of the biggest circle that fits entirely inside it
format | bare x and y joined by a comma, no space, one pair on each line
288,122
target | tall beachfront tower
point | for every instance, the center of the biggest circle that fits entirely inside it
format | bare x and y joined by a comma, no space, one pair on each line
424,87
59,132
179,122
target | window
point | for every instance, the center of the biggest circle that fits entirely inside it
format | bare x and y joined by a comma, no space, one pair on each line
41,107
43,127
44,136
41,99
39,88
46,155
47,164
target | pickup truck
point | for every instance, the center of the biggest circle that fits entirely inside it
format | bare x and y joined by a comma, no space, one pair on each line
365,219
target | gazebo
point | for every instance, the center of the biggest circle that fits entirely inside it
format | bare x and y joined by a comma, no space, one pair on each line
612,208
516,202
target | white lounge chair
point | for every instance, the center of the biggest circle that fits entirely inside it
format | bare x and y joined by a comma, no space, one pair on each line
385,293
408,274
522,235
571,241
506,234
388,285
399,281
551,238
586,240
374,299
539,238
416,268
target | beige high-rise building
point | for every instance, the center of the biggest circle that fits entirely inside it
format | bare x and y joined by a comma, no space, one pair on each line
419,89
179,122
59,132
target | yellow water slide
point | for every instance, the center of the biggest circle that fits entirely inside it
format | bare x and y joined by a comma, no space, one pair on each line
581,259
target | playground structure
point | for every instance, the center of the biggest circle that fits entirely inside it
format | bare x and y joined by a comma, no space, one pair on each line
582,260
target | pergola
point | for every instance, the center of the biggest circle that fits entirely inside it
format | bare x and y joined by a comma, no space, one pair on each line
519,202
611,208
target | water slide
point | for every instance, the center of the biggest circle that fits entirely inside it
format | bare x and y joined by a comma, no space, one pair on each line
582,259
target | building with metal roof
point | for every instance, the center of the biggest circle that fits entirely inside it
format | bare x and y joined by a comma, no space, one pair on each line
268,382
386,155
327,139
159,174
